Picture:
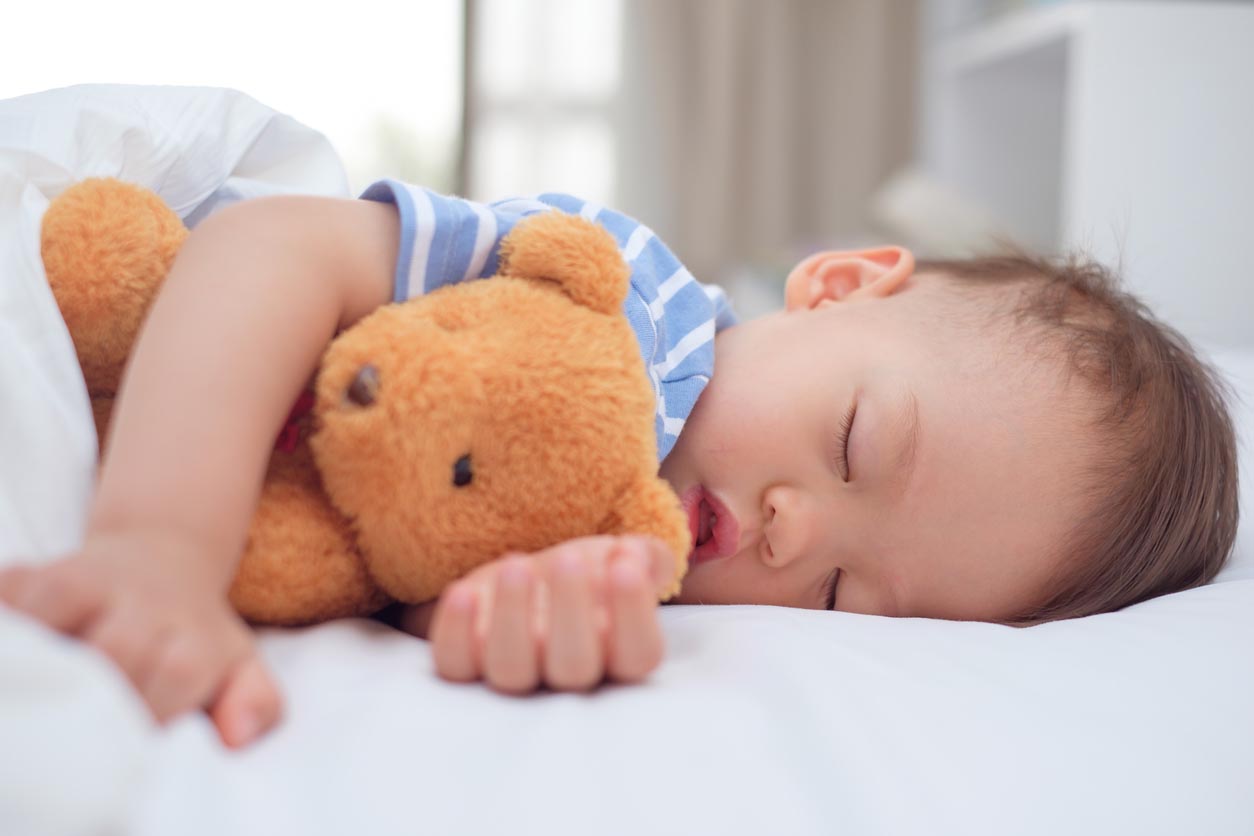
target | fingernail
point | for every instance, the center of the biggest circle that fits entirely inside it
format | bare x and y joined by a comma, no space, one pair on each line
461,597
635,557
571,563
648,563
248,727
632,548
516,572
627,572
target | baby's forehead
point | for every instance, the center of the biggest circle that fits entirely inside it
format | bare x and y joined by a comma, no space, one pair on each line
986,359
936,316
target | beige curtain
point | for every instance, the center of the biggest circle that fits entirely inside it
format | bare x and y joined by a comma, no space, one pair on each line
751,129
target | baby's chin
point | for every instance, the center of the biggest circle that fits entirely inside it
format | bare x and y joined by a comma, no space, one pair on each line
695,591
685,594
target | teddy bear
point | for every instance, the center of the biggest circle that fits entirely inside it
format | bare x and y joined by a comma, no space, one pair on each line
506,414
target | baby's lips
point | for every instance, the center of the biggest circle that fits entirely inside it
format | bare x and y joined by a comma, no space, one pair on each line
690,501
726,527
724,539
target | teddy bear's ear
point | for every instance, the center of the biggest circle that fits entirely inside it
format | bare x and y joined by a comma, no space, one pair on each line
576,254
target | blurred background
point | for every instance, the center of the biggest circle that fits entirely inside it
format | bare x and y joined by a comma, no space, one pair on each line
749,133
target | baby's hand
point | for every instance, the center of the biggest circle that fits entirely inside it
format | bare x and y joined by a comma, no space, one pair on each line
566,617
153,604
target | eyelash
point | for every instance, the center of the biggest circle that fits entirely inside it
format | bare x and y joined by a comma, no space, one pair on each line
829,590
842,440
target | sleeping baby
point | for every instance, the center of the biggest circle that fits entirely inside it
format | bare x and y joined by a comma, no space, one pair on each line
1007,439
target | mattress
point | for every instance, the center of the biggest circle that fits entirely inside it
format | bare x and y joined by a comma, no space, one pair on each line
761,719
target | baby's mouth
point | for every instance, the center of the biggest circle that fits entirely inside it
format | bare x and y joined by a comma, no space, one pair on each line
714,530
706,519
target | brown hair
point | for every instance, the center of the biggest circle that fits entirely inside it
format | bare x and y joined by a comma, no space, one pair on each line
1165,485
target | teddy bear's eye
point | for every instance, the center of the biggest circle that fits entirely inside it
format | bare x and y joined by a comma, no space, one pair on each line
462,472
365,386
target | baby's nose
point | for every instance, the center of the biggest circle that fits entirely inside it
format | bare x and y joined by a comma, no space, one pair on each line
787,525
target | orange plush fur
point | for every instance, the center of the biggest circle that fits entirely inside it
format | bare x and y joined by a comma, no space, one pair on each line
485,417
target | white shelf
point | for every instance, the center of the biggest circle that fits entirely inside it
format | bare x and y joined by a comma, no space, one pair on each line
1123,129
1009,39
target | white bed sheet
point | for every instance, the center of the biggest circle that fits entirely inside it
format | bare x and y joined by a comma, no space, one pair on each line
761,719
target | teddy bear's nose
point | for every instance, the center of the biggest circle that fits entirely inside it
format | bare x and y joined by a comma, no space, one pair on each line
365,386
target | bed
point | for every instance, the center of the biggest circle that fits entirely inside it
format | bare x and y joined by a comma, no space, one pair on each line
761,719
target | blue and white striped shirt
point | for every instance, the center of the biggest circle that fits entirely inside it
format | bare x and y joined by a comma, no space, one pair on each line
445,240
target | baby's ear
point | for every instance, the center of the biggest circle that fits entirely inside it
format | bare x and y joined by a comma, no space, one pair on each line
572,252
846,275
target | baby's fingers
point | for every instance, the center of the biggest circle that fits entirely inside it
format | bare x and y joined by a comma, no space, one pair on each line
661,566
573,658
248,704
13,579
56,595
510,661
453,642
131,640
179,678
635,643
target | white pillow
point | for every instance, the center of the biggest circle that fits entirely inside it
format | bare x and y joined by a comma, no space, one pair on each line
196,147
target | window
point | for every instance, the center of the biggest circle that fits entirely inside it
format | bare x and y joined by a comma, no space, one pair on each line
383,81
544,76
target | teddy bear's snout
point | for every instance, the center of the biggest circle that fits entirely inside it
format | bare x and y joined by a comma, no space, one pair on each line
365,386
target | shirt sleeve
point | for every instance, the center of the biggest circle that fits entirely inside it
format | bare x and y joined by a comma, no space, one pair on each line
445,240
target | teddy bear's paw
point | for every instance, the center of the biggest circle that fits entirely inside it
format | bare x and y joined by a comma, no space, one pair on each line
301,563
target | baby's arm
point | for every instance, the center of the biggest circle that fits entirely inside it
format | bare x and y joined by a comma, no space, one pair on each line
251,302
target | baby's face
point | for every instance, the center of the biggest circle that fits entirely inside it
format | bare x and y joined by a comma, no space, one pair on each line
964,469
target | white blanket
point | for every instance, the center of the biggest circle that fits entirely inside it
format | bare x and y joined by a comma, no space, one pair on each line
761,719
